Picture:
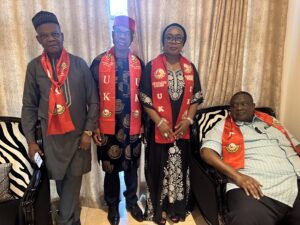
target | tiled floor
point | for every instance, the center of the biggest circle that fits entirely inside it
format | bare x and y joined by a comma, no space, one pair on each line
96,216
90,216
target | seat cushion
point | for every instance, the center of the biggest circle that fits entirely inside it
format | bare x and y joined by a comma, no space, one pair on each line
5,194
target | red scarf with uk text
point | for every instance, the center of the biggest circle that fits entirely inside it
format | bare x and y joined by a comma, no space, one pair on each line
59,119
160,94
107,93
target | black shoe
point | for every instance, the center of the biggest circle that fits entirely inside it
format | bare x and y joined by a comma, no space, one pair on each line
113,215
136,212
175,218
162,221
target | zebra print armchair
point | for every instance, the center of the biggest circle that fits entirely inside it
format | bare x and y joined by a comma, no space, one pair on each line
16,210
207,184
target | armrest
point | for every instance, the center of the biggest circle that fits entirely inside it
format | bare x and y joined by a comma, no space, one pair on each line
29,198
218,177
31,193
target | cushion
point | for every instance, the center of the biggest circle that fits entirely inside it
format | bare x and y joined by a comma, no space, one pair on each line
4,182
208,117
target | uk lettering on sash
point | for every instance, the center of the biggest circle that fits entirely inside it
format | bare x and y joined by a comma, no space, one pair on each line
161,99
107,93
59,118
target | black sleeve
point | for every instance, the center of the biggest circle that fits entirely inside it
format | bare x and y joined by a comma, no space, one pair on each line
145,87
94,68
197,91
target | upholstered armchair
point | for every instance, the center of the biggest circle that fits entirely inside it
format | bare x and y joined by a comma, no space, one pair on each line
18,176
208,185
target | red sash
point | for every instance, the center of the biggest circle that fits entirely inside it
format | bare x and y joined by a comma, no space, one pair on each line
59,119
107,93
233,148
160,94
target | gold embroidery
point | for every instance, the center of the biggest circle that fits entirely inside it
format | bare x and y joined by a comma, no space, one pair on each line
232,148
63,66
114,152
121,136
106,113
133,58
145,99
159,84
126,120
159,73
59,109
128,152
136,113
187,68
119,106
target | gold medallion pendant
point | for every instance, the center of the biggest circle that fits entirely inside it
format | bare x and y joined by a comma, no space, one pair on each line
59,109
136,113
159,73
106,113
232,148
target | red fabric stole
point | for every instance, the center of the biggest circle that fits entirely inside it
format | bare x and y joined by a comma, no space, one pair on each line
160,94
233,148
59,119
107,93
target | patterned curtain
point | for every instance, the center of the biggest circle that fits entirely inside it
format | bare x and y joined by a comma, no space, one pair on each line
236,45
85,25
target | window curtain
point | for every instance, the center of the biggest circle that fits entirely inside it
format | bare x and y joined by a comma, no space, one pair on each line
236,45
85,25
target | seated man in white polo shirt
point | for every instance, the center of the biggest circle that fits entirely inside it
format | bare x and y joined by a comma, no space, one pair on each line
261,160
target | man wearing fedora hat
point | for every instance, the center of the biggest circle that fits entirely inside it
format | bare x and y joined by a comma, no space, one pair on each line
117,73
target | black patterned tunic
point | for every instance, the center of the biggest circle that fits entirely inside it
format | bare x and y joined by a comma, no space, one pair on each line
119,151
166,167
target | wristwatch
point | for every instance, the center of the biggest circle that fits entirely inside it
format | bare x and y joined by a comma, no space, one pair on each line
88,133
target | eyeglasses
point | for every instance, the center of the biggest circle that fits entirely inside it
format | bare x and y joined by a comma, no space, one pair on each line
176,39
124,33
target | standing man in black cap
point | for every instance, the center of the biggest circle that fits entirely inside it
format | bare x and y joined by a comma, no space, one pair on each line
60,91
117,73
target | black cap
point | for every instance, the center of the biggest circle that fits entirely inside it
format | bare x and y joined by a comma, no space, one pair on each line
44,17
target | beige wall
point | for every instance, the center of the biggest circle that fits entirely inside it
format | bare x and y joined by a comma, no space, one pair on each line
290,100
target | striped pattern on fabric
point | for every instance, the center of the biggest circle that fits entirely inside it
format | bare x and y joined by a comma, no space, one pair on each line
13,149
208,117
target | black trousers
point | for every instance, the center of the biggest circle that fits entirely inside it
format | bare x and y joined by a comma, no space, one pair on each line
112,187
245,210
